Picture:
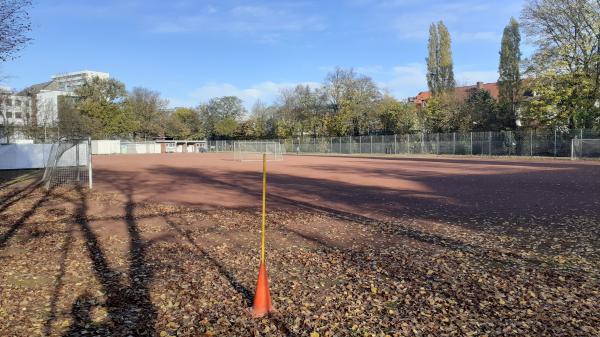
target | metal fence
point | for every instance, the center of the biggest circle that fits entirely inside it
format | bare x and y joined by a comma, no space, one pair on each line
547,143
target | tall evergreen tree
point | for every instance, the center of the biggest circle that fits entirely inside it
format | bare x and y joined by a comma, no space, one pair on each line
440,72
446,77
433,59
509,81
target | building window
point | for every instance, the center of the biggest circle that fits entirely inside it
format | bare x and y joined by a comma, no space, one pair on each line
17,102
8,114
9,102
18,115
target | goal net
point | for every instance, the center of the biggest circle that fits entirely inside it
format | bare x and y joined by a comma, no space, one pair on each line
253,151
69,161
585,148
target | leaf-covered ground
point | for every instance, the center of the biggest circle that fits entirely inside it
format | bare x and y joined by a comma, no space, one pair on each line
75,263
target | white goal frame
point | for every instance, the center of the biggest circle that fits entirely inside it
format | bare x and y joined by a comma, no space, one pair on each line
585,148
253,150
69,161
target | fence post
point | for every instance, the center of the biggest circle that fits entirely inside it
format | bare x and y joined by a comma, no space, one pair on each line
360,144
490,144
471,143
350,146
454,143
89,159
554,141
509,142
437,150
340,141
531,143
422,143
395,146
408,143
371,144
77,160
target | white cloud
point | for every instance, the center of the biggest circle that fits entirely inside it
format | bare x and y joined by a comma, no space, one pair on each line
472,77
400,81
264,23
265,91
406,80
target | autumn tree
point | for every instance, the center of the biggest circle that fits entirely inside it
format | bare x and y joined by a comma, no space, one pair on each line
566,34
352,99
148,109
184,123
396,117
218,109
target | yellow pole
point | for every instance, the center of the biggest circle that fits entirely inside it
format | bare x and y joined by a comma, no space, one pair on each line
264,207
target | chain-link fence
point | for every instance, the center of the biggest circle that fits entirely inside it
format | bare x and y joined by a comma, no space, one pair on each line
547,143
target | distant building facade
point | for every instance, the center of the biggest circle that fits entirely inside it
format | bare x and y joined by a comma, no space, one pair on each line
14,109
462,93
37,105
39,102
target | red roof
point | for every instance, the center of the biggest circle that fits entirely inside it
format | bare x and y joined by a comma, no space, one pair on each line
461,92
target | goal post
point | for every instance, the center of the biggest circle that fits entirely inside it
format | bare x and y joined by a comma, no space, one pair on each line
69,161
254,150
585,148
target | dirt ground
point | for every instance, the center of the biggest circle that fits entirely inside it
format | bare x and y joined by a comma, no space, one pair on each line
168,245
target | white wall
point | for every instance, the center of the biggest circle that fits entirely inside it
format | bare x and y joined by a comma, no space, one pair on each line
34,156
24,156
106,146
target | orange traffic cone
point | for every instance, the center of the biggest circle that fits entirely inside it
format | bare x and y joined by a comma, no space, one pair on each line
262,299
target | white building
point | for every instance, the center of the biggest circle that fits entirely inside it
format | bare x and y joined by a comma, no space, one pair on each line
14,109
38,104
45,96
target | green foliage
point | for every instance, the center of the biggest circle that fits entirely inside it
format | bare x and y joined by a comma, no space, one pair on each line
509,82
482,110
101,101
440,68
148,110
219,109
565,67
339,123
396,117
184,123
562,100
445,113
226,127
284,128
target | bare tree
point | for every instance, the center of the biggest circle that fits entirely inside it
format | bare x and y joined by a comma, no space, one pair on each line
148,109
14,26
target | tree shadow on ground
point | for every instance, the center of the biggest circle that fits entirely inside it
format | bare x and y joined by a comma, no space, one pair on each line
348,201
20,222
229,276
128,304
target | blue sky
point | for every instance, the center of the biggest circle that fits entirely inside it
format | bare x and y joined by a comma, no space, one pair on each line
193,50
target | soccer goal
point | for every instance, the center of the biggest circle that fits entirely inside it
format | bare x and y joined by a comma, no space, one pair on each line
253,151
585,148
69,161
